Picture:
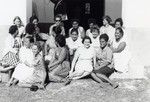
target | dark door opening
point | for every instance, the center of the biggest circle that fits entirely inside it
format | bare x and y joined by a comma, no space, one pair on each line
84,10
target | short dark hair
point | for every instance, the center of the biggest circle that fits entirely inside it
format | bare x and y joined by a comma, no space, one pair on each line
92,20
108,19
75,20
120,30
30,28
86,37
31,39
32,18
60,39
95,28
13,29
119,20
74,30
104,36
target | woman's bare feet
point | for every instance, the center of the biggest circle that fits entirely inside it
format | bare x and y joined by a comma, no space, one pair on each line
115,85
42,87
8,84
68,81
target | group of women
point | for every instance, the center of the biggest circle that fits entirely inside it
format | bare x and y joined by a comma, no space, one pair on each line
32,57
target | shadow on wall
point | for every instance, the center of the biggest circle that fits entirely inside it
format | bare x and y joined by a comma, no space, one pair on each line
3,34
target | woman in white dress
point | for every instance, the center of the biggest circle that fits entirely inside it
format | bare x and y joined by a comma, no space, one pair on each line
84,61
91,23
95,38
107,29
73,42
24,69
39,75
121,51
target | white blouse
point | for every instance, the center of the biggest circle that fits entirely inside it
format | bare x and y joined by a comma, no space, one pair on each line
73,44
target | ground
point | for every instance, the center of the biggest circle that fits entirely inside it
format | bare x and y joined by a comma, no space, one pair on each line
84,90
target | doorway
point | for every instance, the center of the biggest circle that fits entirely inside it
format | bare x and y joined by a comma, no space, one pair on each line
84,10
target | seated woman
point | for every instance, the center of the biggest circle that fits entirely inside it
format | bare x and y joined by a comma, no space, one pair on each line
107,28
95,38
91,23
58,23
121,51
21,29
39,75
73,42
34,20
83,62
75,25
10,57
30,30
59,68
119,23
24,69
50,44
104,62
38,36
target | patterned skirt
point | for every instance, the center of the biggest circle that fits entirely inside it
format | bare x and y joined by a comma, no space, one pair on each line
10,59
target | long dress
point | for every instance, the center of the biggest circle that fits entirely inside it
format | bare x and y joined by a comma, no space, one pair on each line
121,60
84,62
22,72
39,71
64,66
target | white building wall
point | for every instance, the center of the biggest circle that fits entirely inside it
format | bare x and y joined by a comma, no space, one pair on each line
136,16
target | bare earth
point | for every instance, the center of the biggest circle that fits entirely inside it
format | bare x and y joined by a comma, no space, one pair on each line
84,90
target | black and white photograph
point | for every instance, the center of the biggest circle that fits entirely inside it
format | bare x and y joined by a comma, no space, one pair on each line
74,51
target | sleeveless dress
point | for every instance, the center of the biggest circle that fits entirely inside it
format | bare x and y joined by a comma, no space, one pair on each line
63,71
121,60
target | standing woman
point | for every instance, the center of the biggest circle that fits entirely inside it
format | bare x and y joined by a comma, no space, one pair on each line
121,51
84,61
107,28
59,68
